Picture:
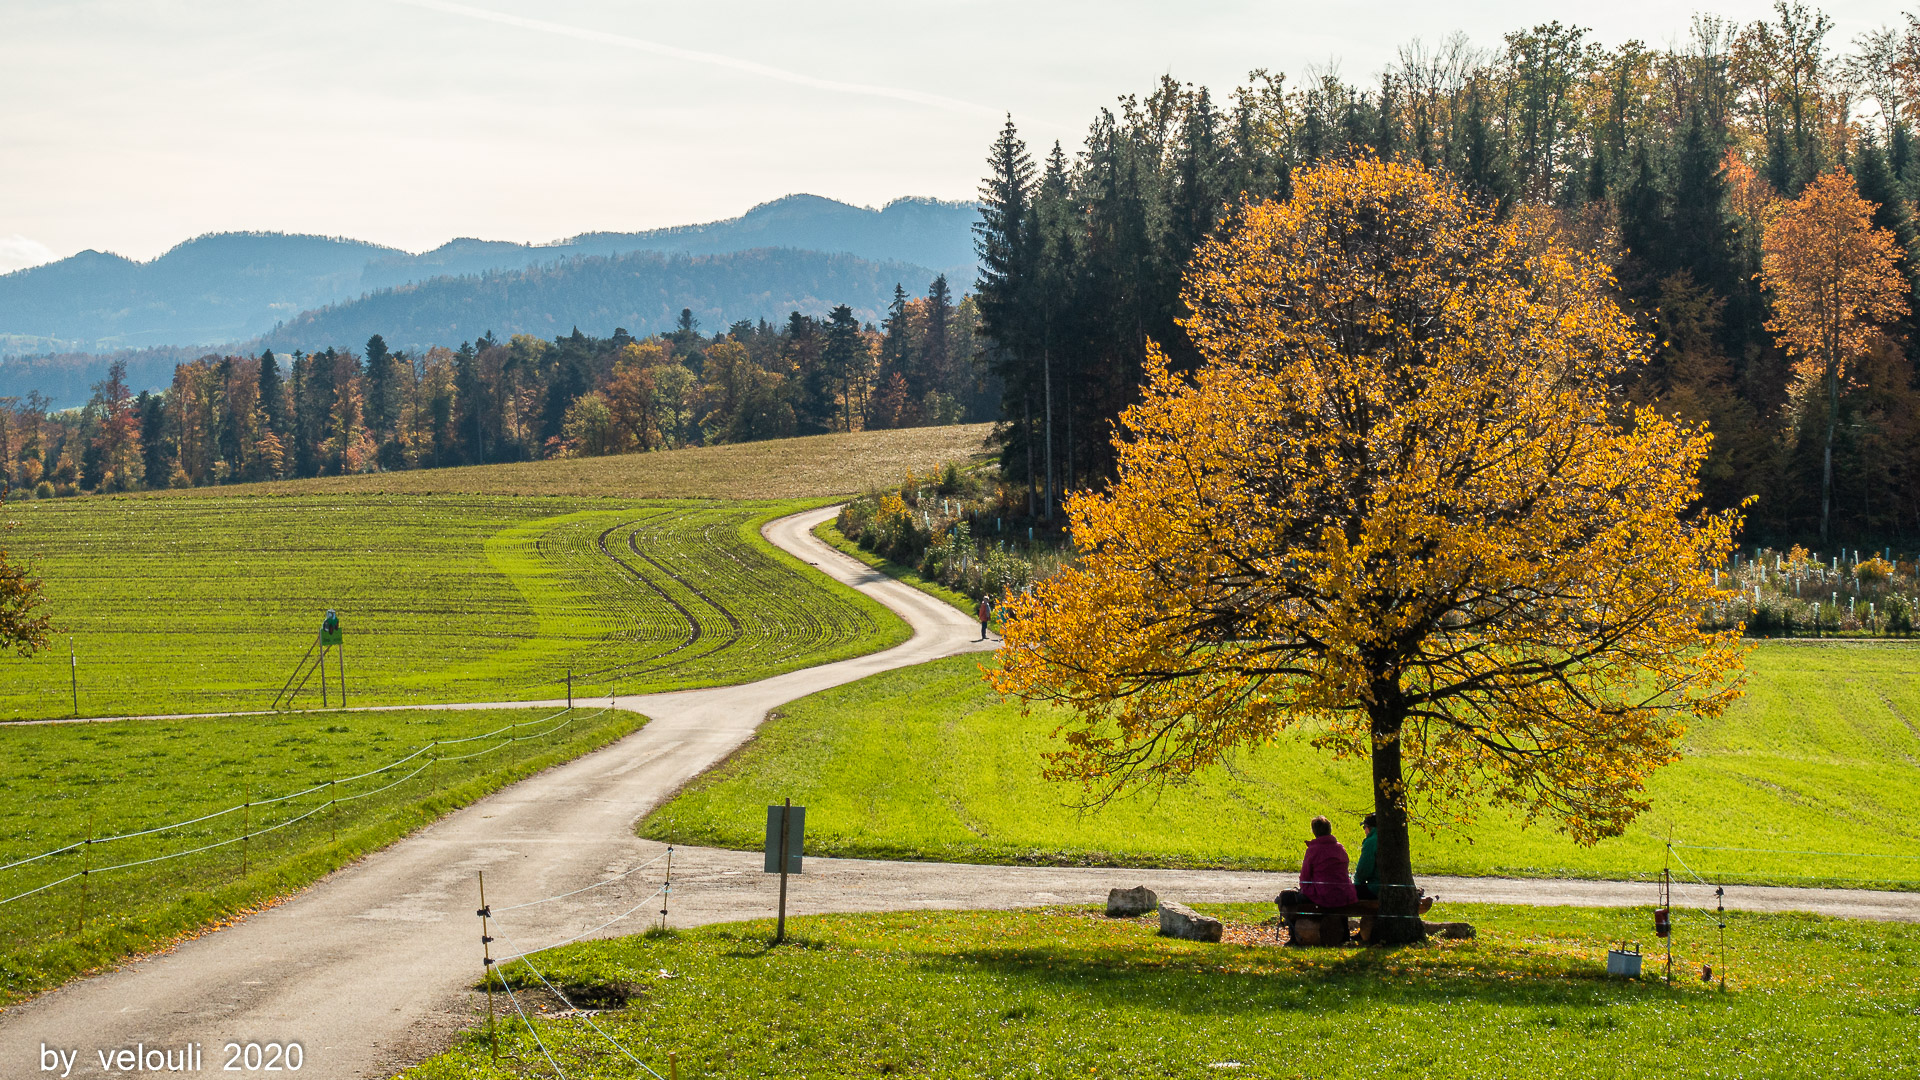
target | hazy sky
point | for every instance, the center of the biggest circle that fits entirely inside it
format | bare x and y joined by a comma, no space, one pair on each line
130,126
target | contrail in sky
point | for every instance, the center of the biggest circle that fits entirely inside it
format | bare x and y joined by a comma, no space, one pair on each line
697,57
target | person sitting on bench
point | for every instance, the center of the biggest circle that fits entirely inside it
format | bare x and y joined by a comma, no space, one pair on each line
1365,877
1323,870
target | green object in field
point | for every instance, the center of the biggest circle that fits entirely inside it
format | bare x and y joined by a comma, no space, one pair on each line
330,629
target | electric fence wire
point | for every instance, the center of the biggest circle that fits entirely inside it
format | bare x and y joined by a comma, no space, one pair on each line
608,881
584,1015
537,1041
1793,851
76,845
273,828
1673,846
586,933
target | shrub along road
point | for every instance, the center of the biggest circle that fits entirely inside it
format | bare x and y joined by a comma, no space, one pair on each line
371,969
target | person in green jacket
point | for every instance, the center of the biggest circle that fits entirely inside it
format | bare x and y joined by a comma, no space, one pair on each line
1364,875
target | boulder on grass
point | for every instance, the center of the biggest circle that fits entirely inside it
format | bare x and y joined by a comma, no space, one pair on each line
1181,921
1127,903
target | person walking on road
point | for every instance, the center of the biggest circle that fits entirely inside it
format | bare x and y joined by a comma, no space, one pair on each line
984,612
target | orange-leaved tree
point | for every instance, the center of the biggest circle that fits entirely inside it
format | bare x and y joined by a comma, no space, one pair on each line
1399,509
23,625
1835,281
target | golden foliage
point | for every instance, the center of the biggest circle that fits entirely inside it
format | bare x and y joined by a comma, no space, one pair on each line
1833,276
1397,508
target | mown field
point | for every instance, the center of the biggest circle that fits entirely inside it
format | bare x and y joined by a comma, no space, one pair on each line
205,603
1811,779
809,467
365,779
1066,993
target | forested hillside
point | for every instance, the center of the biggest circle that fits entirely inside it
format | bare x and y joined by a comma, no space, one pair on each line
1674,163
644,290
243,417
225,287
232,287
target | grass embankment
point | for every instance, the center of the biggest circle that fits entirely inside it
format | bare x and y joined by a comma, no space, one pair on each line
69,782
1066,993
927,763
206,604
815,466
832,535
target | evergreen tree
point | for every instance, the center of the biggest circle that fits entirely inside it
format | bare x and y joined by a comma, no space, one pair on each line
1643,230
896,351
935,368
1000,241
815,410
1483,167
469,404
273,395
841,353
383,387
1196,194
1699,237
1875,178
156,458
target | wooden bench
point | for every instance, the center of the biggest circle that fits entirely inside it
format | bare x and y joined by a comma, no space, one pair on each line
1314,925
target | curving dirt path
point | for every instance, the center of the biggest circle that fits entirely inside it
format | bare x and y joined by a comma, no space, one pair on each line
369,969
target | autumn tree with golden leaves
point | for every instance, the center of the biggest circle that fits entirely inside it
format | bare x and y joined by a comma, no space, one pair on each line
1835,281
1398,511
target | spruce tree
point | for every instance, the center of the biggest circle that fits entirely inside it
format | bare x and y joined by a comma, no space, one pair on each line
156,458
1000,239
1643,227
470,404
1196,196
273,395
1699,235
1483,167
934,369
842,352
1875,177
1003,291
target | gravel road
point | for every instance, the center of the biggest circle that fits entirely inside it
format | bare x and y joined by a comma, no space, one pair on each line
369,968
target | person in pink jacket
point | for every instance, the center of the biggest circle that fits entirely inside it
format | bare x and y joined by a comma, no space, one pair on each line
1323,871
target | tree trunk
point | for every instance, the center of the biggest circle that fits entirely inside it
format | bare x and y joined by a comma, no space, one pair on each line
1399,920
1046,370
1826,471
1026,405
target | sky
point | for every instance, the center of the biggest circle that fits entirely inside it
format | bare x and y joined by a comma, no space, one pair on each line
132,125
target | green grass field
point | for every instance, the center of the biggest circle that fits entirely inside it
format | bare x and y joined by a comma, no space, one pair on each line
928,763
206,603
69,782
1066,993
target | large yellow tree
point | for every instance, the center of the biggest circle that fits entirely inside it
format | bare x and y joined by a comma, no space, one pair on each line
1834,281
1400,510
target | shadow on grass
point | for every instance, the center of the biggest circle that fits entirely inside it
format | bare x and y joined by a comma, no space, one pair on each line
1227,980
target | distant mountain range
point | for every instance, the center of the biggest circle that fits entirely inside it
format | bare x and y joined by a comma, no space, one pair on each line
642,291
231,288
